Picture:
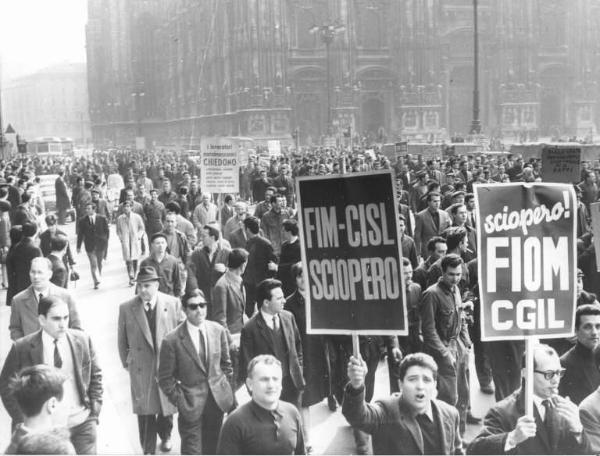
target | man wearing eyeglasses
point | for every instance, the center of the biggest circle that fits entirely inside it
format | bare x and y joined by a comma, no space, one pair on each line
554,428
195,373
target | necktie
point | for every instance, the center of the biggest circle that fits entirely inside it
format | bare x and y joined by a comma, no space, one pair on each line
57,359
40,297
547,403
275,322
92,221
202,347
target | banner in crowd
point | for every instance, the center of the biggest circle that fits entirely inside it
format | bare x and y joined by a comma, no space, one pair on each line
561,164
219,165
527,260
351,253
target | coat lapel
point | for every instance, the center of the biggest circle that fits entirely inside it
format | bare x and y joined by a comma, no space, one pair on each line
411,424
140,315
441,424
161,322
186,341
77,353
263,328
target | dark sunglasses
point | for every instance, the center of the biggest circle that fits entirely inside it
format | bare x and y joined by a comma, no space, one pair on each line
549,375
195,306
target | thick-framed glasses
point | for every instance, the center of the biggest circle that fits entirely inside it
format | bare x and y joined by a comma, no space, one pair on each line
549,375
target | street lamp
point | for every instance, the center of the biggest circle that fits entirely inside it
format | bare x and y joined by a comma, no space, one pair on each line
327,33
476,123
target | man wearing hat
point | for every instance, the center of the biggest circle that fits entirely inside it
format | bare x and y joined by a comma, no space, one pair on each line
195,373
165,264
143,323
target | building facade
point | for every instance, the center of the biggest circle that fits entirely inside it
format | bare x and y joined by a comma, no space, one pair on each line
50,102
172,71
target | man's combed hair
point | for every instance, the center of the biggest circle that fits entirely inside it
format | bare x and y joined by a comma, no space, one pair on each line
264,288
34,385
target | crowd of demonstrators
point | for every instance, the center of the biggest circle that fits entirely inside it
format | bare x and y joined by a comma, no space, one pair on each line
220,286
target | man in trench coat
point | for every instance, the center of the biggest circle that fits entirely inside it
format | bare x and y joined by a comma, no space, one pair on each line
143,323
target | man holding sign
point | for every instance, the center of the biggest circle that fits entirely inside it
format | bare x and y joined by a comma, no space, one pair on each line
554,428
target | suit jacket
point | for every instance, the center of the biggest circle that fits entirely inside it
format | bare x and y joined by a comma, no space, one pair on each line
502,419
94,237
60,274
582,376
18,263
202,273
393,426
228,303
24,311
28,351
425,229
186,379
589,414
256,340
24,214
139,355
260,252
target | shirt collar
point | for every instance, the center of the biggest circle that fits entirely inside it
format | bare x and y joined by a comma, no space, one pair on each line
152,302
48,340
191,328
428,412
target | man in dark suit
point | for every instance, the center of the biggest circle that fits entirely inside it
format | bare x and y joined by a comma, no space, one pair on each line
143,323
261,261
411,422
19,260
24,318
60,273
273,331
195,374
555,427
430,222
63,201
71,352
582,376
93,232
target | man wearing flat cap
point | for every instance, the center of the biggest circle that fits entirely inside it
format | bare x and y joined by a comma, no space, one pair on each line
143,323
165,264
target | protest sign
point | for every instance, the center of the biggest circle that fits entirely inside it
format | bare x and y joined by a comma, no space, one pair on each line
274,147
352,254
561,164
527,260
220,167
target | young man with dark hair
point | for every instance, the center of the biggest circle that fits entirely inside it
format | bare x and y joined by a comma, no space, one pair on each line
262,261
582,376
290,255
93,232
38,391
70,351
436,249
58,249
446,337
430,222
20,258
195,374
411,422
283,339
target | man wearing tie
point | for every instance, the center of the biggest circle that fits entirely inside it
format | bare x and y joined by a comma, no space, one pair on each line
70,351
554,428
24,317
143,323
195,373
273,331
92,230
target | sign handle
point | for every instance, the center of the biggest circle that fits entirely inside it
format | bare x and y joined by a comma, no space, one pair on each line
530,343
355,345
